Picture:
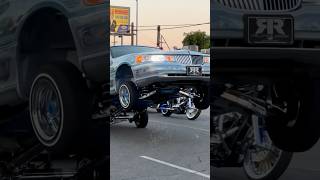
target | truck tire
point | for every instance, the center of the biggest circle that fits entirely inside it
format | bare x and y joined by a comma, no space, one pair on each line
298,129
59,106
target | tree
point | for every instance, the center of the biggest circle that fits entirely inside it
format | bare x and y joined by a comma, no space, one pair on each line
198,38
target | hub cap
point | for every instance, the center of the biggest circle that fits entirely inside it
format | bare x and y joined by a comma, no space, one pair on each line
124,96
260,162
46,109
192,112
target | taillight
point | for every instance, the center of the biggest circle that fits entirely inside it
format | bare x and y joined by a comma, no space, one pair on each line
93,2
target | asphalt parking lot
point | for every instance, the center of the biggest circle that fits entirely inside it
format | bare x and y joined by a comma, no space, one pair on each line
169,148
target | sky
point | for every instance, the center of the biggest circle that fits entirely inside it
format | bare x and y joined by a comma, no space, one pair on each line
155,12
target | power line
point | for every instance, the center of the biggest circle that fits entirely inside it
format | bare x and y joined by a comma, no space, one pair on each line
163,25
176,27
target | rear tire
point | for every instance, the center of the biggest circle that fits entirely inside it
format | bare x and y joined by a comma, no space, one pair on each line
202,102
60,106
165,112
298,129
141,119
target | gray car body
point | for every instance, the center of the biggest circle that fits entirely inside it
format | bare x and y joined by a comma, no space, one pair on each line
148,73
228,25
87,23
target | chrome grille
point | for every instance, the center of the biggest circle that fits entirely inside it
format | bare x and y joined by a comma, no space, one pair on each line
183,59
189,60
261,5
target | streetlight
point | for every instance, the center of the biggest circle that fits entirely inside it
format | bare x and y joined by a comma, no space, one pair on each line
137,20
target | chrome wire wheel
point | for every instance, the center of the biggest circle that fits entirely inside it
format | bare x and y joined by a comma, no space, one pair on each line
164,109
46,110
124,96
192,112
260,163
265,162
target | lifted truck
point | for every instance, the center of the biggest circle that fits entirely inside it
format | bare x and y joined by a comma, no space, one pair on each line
53,56
274,44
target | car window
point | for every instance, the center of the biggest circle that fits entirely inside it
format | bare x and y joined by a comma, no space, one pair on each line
125,50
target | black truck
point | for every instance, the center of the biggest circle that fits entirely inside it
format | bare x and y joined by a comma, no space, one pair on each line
53,61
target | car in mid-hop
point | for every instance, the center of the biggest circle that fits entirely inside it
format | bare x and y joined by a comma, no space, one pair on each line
141,76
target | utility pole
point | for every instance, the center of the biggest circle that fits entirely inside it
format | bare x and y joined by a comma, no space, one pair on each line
114,39
137,21
121,37
132,34
159,44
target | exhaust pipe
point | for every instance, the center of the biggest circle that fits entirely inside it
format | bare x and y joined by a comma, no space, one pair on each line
149,95
245,103
190,95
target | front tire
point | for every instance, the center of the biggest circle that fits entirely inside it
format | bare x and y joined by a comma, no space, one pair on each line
59,105
128,95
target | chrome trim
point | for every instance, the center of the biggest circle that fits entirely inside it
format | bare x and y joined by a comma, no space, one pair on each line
261,5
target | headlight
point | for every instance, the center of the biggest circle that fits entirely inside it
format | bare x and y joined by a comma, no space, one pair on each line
153,58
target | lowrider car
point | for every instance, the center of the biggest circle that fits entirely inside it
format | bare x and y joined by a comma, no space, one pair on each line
141,74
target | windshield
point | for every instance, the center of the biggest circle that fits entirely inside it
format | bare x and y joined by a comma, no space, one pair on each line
125,50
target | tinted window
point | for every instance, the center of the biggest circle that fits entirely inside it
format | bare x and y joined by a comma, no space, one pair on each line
125,50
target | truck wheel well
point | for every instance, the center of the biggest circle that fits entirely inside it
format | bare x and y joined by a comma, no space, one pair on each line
45,37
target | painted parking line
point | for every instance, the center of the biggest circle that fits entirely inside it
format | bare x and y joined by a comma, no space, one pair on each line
179,125
176,167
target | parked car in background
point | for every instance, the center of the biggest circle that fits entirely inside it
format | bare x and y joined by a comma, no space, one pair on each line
141,75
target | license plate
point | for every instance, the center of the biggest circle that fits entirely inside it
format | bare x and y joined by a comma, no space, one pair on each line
194,71
262,29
